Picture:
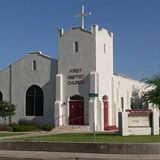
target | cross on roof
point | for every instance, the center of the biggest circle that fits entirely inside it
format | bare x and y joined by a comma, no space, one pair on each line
82,15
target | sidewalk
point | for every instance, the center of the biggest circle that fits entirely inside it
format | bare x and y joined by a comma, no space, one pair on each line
27,134
60,130
32,155
41,133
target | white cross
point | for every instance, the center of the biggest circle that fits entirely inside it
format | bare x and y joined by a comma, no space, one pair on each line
82,15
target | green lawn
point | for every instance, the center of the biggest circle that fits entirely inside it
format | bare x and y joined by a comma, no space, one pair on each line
88,137
6,134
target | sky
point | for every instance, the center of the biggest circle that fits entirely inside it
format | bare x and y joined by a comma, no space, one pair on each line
31,25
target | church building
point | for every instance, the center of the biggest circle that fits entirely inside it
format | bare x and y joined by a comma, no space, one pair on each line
80,88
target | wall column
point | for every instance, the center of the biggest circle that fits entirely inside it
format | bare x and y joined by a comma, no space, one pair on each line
155,122
58,117
94,102
123,123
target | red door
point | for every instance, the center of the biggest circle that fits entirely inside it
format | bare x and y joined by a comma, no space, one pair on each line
76,112
105,114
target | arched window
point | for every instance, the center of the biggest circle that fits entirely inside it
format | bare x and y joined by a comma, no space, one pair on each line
34,101
1,96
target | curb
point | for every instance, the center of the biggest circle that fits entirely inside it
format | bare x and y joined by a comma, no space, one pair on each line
103,148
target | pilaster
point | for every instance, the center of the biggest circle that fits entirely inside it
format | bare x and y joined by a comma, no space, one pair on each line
58,115
155,122
94,113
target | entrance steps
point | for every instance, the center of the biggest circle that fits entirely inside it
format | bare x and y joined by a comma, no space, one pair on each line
71,129
111,128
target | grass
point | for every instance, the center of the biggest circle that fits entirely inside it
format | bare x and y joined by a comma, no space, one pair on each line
6,134
88,137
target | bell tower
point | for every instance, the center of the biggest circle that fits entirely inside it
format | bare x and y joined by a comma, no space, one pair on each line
85,69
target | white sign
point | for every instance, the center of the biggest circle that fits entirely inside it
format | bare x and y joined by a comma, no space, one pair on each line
138,121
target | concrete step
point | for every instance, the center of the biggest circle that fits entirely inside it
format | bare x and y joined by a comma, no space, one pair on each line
71,129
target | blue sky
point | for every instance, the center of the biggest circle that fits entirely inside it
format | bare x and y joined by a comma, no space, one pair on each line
31,25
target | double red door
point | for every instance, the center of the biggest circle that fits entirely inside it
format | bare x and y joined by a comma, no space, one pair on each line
76,112
105,114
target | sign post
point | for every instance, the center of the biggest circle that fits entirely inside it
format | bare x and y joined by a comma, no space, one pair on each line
93,95
94,132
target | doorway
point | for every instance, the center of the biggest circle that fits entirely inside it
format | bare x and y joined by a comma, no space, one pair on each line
76,110
105,104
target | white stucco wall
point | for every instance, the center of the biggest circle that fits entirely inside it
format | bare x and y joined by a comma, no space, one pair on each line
122,87
92,58
22,77
104,65
104,60
83,60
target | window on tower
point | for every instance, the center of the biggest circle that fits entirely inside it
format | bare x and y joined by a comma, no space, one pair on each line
75,46
34,66
104,48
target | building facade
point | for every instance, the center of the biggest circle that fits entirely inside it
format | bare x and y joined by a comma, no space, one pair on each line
88,92
80,88
29,83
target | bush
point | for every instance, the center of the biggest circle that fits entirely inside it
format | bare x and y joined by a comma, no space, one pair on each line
28,125
47,127
26,122
7,110
4,127
23,127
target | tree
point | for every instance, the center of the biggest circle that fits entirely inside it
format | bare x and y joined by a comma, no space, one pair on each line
137,99
7,110
153,93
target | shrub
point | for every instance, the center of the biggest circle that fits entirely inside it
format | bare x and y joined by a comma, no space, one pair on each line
26,122
4,127
28,125
23,127
7,110
47,127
